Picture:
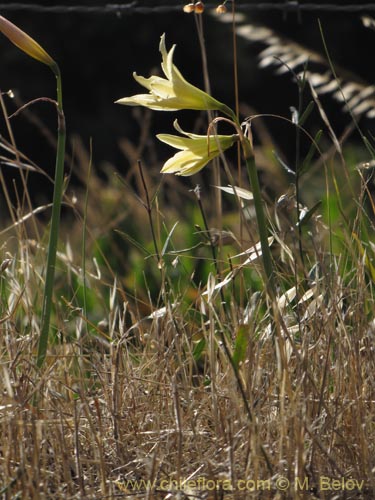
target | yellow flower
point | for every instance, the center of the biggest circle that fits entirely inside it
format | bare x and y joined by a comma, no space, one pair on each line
196,150
24,42
173,92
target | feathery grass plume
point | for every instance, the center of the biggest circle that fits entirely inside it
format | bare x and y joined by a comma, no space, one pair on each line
284,55
196,150
172,93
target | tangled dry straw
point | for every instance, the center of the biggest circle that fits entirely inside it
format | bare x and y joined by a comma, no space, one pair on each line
144,407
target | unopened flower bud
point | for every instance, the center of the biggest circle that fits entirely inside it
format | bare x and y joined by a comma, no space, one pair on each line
189,8
199,8
24,42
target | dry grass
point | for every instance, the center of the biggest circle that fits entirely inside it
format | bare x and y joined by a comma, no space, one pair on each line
132,398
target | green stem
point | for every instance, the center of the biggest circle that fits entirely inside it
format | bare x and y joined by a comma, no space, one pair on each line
261,220
297,169
55,222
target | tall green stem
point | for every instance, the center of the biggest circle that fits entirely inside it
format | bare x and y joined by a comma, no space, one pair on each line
262,224
55,223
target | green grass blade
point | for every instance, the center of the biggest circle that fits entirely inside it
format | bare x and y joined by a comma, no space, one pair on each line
54,229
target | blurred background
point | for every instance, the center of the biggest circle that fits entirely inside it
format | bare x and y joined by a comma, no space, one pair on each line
98,50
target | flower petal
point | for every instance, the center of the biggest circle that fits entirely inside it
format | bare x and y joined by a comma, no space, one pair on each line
138,100
176,125
167,58
173,140
149,101
163,89
173,92
145,82
185,163
201,145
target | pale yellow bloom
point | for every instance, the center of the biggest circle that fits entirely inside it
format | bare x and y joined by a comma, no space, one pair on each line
195,150
173,92
24,42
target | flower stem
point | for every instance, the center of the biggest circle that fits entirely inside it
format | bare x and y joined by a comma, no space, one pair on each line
55,223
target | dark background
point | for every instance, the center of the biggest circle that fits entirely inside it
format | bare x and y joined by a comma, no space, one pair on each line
97,53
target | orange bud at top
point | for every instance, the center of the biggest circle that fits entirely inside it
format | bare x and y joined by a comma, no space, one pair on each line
189,8
199,8
24,42
221,9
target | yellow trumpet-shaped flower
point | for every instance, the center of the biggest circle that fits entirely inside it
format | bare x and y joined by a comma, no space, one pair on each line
195,150
173,92
24,42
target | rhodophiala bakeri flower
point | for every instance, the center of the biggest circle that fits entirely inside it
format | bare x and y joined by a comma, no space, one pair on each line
195,150
173,92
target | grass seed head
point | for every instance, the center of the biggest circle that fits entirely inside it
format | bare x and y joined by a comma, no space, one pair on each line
189,8
199,8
